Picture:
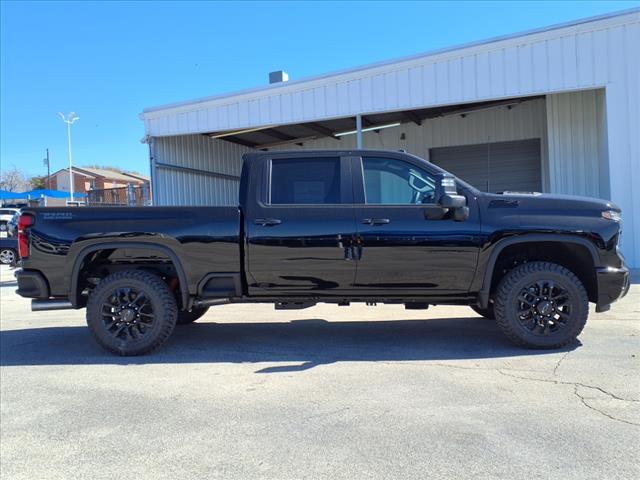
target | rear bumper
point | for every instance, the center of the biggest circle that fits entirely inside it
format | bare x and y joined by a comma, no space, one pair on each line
613,284
31,284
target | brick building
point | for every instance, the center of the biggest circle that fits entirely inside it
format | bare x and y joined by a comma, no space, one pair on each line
89,178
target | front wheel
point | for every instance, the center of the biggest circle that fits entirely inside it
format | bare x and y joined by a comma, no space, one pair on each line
541,305
131,312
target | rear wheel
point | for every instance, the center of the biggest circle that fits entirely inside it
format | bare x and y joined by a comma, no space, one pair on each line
541,305
185,317
131,312
485,312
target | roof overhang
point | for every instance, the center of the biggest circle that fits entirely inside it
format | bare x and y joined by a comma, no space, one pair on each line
271,136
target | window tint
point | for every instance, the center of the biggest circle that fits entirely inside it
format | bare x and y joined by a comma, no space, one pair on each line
300,181
389,182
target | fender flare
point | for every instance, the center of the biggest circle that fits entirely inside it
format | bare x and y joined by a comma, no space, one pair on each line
82,254
483,294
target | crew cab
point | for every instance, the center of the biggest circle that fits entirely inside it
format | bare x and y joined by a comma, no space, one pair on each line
335,227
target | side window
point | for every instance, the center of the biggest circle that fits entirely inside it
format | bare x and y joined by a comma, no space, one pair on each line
305,181
388,181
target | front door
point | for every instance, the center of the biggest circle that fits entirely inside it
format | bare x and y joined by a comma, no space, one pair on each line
301,229
401,251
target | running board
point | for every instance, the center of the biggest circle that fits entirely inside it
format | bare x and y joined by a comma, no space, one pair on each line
40,305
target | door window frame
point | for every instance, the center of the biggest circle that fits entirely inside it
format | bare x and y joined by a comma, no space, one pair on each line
346,184
359,191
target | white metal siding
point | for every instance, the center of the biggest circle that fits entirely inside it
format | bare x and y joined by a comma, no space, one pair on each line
175,186
578,160
623,129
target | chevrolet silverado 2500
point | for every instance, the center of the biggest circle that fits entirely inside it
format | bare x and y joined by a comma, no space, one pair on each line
335,227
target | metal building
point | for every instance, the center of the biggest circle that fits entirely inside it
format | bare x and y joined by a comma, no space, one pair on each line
553,110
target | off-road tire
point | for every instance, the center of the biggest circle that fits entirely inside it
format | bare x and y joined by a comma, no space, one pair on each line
161,301
506,304
487,313
185,317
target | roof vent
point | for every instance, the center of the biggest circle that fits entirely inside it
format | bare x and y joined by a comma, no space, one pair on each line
278,76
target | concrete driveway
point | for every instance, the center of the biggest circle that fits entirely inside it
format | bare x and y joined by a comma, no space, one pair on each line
327,392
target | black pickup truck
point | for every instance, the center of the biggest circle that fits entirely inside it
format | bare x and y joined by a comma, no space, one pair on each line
336,227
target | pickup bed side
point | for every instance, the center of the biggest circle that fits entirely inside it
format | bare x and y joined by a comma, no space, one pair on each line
70,247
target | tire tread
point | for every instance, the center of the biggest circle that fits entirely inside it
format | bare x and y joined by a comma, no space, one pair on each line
503,296
168,301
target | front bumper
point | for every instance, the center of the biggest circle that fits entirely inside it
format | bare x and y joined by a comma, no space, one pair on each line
31,284
613,284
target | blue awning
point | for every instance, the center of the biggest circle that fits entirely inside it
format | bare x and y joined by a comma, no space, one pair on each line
41,192
7,195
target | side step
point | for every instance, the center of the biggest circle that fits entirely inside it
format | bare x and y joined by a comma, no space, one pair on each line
293,305
40,305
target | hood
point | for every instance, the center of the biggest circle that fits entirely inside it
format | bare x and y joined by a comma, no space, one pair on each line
557,201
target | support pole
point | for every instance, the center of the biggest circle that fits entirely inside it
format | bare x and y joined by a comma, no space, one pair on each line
70,162
358,131
48,171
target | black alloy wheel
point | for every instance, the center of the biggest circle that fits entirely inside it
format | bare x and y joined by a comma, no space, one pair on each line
131,312
541,305
544,307
127,313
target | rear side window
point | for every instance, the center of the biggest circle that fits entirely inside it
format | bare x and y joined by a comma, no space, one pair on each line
305,181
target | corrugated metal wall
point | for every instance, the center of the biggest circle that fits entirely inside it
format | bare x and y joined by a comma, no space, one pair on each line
578,159
196,170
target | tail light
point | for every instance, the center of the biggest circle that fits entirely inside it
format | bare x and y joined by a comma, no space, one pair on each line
24,222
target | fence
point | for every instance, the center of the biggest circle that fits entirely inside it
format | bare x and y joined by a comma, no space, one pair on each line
129,196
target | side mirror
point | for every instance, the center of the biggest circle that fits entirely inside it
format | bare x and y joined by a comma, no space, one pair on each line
452,201
448,199
461,214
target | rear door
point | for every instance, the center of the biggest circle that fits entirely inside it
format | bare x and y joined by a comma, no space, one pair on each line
301,228
403,252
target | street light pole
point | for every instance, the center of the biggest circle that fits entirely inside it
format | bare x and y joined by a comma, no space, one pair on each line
48,164
69,120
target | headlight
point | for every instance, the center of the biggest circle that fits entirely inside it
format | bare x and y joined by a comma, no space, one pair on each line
612,215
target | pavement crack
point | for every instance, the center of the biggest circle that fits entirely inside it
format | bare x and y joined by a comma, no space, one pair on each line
601,412
575,384
555,369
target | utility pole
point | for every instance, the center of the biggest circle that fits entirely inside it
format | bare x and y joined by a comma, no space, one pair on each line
46,162
69,120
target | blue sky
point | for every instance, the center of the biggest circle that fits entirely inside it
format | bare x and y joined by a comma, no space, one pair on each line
107,61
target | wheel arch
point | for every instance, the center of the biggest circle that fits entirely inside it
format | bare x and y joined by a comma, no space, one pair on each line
74,296
522,240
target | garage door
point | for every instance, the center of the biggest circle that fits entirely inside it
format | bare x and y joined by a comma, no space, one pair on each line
494,167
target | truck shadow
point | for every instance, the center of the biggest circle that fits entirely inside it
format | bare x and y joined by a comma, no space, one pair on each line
300,344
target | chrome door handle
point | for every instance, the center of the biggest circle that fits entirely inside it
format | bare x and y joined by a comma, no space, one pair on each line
267,222
376,221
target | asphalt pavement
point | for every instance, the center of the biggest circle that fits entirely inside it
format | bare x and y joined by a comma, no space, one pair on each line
327,392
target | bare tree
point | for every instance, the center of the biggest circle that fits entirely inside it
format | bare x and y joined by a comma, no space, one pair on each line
14,180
